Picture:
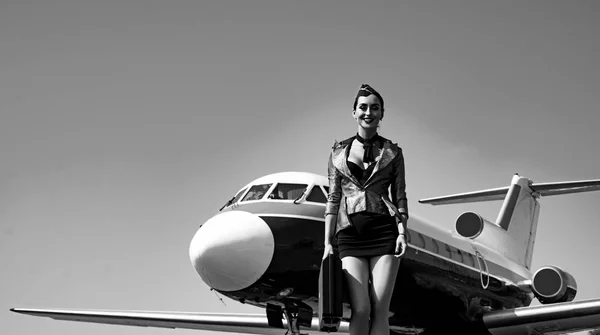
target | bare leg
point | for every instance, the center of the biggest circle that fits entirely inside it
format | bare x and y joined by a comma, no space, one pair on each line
384,269
357,276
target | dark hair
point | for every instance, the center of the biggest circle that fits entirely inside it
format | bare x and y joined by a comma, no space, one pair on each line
364,91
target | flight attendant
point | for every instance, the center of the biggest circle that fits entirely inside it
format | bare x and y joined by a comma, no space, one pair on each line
369,226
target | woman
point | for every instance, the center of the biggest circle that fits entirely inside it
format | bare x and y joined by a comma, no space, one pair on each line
369,226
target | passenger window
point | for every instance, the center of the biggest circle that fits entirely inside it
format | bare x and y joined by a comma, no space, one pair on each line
287,191
257,192
471,260
461,257
316,195
436,246
420,241
432,245
448,251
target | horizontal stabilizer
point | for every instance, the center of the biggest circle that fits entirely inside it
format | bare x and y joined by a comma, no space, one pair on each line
541,189
547,189
232,323
460,198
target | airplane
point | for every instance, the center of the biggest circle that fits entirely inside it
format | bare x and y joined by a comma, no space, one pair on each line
264,248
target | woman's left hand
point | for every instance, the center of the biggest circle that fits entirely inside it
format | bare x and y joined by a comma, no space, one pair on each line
400,246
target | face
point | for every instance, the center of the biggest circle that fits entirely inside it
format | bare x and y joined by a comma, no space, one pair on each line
368,112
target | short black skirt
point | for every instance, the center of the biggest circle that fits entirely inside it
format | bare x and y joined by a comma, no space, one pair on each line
369,235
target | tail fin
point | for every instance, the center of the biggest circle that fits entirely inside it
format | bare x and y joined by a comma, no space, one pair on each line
518,216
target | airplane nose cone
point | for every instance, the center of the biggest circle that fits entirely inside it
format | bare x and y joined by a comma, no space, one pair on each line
232,250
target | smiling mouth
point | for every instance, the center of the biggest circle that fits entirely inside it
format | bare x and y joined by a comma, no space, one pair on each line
368,120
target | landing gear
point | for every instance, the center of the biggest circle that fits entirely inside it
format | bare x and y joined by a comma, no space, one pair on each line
296,314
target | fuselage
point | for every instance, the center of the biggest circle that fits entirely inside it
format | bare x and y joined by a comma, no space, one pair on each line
266,245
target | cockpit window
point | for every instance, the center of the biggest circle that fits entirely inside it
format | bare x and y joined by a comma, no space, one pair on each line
287,191
238,196
257,192
316,195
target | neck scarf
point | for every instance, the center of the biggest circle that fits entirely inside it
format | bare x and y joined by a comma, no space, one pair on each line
368,156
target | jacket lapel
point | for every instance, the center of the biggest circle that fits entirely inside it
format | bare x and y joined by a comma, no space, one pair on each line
385,157
339,161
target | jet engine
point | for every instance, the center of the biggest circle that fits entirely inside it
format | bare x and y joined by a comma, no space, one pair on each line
550,284
471,225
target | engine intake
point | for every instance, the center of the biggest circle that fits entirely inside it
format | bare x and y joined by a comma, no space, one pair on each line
551,284
470,225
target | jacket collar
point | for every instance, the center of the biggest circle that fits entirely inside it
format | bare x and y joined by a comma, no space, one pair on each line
387,154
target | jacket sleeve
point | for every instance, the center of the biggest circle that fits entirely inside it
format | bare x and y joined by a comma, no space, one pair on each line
335,188
398,185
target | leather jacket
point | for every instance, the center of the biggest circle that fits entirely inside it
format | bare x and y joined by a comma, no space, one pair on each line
347,195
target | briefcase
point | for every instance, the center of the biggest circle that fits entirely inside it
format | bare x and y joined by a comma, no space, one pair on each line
331,293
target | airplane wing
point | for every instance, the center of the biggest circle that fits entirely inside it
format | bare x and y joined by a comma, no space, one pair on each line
533,320
234,323
545,319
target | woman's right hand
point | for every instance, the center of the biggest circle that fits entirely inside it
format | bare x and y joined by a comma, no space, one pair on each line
400,246
328,250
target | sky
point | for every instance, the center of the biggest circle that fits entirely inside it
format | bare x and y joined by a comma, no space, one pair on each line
126,124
